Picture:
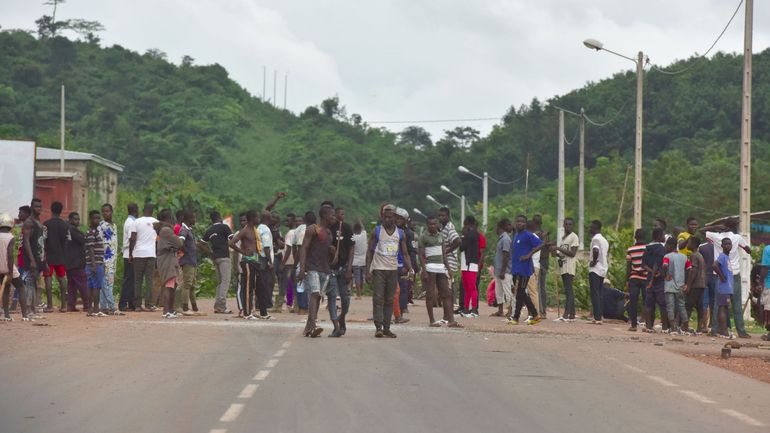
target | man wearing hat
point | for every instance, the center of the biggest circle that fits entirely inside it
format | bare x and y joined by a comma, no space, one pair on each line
401,301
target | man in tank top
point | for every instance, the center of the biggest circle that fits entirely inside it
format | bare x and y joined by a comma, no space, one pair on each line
382,268
315,268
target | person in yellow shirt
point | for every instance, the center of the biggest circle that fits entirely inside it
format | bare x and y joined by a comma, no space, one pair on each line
681,240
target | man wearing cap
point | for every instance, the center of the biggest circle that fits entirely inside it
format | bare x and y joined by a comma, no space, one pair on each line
401,300
386,243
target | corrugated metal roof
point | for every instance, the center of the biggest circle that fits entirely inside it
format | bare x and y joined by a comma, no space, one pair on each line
48,154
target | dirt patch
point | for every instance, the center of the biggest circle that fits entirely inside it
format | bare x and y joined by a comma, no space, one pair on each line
753,363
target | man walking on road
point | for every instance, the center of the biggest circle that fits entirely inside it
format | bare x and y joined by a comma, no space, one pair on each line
315,269
382,268
141,252
503,277
597,268
218,236
342,267
525,245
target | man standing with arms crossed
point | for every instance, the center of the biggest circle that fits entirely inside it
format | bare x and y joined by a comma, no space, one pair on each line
382,268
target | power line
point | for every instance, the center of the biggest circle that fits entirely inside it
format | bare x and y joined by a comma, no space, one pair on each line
696,61
472,119
612,119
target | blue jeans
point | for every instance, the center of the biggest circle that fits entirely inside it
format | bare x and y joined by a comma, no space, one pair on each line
95,277
338,287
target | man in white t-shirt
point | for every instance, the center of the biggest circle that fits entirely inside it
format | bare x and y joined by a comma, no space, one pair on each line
141,252
597,268
730,230
360,242
287,263
126,301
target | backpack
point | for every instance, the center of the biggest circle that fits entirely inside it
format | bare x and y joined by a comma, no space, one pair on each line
377,237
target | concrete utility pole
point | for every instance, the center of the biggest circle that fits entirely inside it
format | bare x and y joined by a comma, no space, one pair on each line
484,201
61,138
582,181
285,88
526,184
638,147
745,200
560,204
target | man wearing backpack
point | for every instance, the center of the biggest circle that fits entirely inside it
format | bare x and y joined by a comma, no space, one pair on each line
382,268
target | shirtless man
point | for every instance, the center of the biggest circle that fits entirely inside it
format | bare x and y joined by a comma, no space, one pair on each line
248,248
315,268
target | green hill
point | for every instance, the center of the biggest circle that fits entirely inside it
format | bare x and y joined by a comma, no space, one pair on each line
191,124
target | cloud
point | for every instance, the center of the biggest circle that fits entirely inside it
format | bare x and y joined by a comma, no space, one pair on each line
401,59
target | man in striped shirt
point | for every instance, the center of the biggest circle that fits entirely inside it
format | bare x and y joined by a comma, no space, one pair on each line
451,243
636,276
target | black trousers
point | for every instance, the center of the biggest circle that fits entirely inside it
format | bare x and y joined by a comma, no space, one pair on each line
596,283
522,297
126,300
635,289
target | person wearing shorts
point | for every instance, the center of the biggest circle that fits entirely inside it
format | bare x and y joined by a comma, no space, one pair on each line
434,274
315,269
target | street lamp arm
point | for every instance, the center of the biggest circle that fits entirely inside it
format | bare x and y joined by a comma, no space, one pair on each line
462,169
447,190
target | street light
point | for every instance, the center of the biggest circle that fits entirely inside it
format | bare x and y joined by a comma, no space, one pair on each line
485,195
598,46
462,202
417,211
439,204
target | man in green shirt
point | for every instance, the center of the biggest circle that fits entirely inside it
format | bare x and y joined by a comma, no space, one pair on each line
434,273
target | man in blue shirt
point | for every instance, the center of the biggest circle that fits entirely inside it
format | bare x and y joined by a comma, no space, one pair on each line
524,245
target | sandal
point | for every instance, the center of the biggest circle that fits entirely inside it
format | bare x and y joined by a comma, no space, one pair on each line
436,324
455,325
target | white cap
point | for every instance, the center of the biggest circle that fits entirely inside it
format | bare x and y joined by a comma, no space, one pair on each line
402,213
6,220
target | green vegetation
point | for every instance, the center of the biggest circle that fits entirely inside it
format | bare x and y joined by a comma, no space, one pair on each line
190,136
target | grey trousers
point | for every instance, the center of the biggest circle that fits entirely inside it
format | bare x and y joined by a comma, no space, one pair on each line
143,270
384,288
224,269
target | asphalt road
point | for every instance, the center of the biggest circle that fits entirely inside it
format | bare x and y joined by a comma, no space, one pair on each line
234,376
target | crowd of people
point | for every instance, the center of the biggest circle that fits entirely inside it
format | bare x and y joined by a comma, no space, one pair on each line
323,257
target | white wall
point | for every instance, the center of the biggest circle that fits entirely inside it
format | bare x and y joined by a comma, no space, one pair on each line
17,174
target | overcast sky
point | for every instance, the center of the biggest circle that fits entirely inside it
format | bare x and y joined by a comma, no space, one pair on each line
408,59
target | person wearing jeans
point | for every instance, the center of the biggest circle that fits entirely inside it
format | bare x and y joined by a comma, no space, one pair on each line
597,268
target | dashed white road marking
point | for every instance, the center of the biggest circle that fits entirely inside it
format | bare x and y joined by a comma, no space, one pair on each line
218,430
280,353
612,359
286,344
262,375
742,416
632,368
271,364
248,391
697,397
662,381
231,414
